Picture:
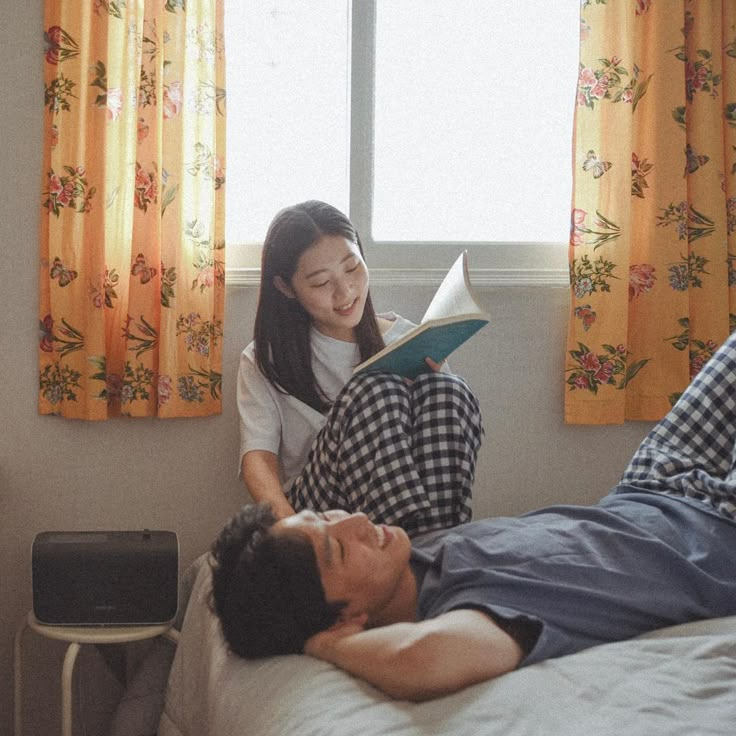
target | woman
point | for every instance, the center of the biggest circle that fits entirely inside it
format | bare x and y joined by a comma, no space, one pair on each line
313,436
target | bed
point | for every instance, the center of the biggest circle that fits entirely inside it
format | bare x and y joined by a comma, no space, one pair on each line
680,680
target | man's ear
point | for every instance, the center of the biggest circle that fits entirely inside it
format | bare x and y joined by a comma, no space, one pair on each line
283,287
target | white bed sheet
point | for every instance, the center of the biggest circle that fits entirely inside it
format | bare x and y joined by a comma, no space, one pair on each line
680,680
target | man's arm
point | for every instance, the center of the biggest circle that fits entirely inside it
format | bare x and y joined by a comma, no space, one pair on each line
419,661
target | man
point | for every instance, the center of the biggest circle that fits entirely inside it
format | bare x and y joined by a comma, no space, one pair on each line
425,618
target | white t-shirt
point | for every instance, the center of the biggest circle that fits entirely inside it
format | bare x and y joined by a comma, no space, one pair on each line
284,425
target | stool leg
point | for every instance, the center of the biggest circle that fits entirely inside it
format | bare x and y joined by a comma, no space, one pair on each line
17,674
66,688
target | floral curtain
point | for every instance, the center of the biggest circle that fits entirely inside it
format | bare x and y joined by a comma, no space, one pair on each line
132,233
652,245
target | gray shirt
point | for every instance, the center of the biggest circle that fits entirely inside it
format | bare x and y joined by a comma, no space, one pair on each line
569,577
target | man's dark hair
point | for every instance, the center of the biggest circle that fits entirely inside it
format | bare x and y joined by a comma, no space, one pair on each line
266,588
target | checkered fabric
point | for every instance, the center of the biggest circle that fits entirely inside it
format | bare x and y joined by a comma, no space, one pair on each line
692,451
403,453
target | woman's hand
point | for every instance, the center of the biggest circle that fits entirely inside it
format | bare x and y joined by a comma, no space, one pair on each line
436,367
261,475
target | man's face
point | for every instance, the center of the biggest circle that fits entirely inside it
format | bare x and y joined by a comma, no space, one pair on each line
361,563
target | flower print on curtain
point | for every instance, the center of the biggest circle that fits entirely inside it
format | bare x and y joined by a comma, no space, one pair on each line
132,247
652,250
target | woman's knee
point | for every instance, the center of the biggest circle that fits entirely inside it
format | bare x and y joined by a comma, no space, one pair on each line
366,393
446,386
370,385
437,379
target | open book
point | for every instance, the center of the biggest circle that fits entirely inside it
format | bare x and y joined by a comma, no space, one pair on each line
453,316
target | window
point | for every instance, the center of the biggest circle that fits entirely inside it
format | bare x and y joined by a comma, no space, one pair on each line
430,123
288,109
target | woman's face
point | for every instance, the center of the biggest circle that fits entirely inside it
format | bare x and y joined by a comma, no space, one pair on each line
331,283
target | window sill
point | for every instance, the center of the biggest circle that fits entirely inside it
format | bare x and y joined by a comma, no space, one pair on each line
481,278
492,265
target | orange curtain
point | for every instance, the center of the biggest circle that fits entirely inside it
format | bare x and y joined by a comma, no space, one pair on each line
132,273
652,243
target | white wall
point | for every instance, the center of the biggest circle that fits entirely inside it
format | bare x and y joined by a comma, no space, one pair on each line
181,475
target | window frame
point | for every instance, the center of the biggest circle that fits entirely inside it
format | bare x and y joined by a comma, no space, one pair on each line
492,263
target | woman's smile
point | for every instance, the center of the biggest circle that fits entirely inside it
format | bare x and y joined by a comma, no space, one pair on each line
346,310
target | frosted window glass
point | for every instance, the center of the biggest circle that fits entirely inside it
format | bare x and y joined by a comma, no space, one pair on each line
287,106
473,119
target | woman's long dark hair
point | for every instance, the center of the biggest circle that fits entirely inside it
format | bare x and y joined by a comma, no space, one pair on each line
282,326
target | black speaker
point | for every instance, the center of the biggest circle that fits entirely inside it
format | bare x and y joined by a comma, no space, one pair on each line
112,578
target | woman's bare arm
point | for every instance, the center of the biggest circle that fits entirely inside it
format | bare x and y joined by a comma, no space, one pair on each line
262,479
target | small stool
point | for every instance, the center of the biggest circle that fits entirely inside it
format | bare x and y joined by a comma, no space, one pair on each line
76,636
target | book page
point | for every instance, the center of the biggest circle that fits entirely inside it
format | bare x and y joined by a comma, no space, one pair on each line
454,295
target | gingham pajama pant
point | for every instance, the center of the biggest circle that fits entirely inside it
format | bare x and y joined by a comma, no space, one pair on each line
402,453
692,452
